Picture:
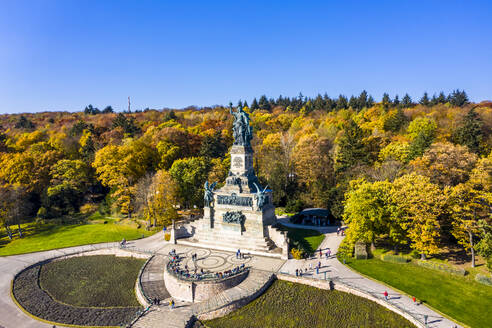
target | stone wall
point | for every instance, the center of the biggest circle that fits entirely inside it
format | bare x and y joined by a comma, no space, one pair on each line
198,291
280,240
325,284
206,289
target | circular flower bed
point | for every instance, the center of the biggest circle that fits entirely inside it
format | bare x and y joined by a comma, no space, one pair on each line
38,302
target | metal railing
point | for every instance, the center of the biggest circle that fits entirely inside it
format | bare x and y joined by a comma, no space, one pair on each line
211,276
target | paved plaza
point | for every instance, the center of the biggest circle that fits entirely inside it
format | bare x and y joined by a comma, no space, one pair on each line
214,261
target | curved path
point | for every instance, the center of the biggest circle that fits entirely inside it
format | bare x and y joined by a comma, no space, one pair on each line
332,268
12,316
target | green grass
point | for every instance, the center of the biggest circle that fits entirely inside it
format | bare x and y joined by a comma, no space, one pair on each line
49,236
307,238
92,281
287,304
459,297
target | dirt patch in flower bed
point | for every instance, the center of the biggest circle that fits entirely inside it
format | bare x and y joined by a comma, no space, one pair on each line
36,301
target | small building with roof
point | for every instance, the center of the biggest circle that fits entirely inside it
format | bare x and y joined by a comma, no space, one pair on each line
314,216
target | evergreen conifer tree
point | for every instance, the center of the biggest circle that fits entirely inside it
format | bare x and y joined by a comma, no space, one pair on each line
407,100
351,148
470,132
254,105
425,100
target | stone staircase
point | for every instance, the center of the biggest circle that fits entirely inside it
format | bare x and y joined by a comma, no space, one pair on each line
152,279
245,242
162,316
184,315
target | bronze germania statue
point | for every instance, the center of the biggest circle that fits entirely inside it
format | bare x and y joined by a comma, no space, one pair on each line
242,131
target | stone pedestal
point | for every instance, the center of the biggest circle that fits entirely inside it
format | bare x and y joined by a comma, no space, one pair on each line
238,198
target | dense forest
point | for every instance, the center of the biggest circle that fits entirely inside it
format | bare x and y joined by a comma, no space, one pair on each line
415,173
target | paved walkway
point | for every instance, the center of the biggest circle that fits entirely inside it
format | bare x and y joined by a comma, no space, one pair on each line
12,316
332,268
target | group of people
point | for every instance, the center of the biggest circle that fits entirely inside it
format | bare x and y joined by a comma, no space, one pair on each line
239,255
340,232
327,253
229,273
301,272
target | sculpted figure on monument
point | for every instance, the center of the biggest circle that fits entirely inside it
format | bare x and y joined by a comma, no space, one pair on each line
208,198
234,217
260,196
242,131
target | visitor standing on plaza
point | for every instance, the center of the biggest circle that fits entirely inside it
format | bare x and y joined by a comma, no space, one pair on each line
385,295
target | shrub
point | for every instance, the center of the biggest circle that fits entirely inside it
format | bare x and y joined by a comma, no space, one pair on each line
415,254
88,208
298,254
294,206
483,279
441,267
394,258
345,250
167,236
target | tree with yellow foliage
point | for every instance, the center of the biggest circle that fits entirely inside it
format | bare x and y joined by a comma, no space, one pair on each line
419,207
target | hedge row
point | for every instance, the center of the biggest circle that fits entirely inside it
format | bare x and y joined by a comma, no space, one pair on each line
483,279
34,300
441,267
394,258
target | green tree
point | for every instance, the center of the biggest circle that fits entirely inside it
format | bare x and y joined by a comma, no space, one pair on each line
127,124
458,98
406,101
467,212
470,132
254,105
213,146
419,207
351,147
263,103
367,212
190,175
24,123
425,100
342,102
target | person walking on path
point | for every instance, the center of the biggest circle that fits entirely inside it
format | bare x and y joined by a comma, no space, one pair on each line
385,295
320,253
338,231
171,303
317,269
297,272
328,253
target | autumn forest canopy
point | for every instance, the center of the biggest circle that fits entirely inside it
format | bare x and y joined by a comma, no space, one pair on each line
416,173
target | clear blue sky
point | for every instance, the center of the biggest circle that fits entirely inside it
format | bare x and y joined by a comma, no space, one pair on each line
63,55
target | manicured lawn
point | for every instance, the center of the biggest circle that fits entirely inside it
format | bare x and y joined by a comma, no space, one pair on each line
309,239
92,281
459,297
286,304
49,236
